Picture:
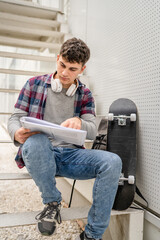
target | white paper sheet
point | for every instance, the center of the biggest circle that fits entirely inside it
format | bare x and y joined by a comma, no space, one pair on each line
58,132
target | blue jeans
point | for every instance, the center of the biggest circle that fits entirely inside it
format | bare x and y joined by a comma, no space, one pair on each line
44,162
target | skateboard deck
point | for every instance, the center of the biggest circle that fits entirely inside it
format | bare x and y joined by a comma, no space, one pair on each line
121,139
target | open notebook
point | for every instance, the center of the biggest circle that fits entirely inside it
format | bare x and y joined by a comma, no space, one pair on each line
58,132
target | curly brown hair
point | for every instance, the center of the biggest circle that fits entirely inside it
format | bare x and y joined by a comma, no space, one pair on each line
75,50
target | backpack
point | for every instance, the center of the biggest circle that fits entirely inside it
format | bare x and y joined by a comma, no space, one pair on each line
101,139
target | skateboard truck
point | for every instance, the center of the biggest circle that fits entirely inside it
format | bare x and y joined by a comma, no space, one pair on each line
130,179
122,118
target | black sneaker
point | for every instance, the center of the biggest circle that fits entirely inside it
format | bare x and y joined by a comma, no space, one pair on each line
83,236
48,218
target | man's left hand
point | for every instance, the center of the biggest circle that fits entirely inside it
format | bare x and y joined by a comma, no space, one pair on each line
74,122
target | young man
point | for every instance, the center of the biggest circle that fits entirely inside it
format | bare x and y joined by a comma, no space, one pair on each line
62,99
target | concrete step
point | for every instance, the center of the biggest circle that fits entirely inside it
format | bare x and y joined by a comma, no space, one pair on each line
27,56
28,218
32,44
21,72
14,176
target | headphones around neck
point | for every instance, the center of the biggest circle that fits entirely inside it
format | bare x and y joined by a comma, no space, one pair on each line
56,86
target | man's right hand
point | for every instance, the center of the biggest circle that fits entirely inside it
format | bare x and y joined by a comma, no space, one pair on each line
22,134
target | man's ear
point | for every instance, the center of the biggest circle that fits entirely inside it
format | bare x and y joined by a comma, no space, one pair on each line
58,57
83,68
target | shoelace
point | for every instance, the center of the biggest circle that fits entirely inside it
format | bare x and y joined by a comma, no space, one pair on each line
48,212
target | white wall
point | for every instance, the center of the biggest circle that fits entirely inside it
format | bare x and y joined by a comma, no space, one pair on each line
124,38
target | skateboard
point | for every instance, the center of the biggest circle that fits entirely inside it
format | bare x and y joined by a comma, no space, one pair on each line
121,139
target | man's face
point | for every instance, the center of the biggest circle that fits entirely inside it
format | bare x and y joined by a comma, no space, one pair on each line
67,72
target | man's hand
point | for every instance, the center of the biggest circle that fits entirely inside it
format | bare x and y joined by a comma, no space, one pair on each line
74,122
22,134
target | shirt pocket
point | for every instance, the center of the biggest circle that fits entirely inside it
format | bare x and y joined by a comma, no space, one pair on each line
35,105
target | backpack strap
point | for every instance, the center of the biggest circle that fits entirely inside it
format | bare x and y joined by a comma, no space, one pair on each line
99,141
140,195
70,201
103,125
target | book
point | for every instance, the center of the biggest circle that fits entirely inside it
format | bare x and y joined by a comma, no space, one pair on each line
69,135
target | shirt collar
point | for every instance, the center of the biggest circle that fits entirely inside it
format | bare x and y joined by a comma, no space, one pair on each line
48,79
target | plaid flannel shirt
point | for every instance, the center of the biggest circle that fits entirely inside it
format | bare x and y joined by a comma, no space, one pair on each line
32,99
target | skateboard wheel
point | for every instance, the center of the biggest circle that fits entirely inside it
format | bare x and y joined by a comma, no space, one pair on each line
131,179
133,117
110,116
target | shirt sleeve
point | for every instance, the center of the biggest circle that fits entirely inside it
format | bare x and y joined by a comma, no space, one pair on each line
23,101
88,105
14,123
89,125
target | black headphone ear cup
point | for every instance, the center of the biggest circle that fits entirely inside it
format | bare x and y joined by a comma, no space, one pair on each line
56,85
